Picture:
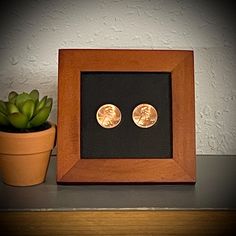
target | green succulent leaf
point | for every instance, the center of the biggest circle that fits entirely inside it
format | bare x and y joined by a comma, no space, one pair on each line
21,99
28,108
34,94
18,120
3,107
12,96
40,105
49,102
3,119
25,110
12,108
40,117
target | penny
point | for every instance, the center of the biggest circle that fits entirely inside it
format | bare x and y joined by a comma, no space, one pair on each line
108,116
144,115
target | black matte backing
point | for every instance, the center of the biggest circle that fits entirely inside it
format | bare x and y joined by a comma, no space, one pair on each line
126,90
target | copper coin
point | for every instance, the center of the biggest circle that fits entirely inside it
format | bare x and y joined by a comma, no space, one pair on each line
145,115
108,116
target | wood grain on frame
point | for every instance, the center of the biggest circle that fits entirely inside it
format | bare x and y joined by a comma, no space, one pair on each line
180,168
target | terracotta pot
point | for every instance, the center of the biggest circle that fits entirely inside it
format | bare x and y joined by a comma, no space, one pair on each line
24,157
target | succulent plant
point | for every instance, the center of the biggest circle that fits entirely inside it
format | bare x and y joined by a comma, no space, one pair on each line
25,110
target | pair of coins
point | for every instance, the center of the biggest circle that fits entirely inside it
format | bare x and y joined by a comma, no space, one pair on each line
144,116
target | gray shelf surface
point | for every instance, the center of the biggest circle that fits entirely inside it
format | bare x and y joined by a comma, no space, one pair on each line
215,189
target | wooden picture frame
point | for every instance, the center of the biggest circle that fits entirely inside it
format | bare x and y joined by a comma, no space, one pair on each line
72,169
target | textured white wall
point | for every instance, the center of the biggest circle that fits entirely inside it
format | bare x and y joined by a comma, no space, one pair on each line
33,31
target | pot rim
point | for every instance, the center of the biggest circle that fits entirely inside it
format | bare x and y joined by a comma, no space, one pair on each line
26,135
